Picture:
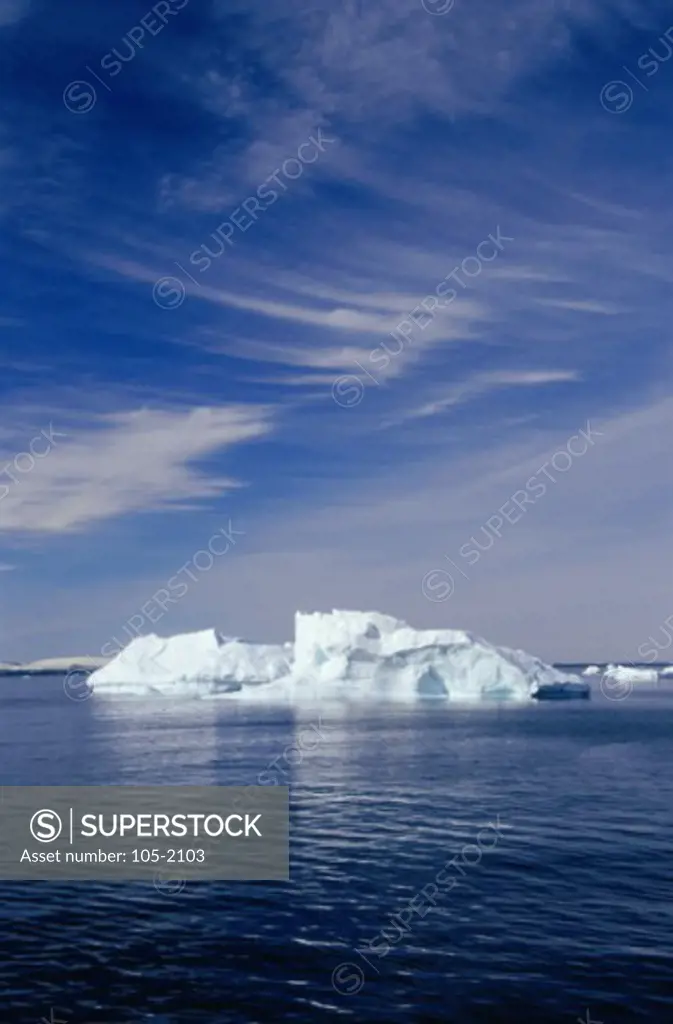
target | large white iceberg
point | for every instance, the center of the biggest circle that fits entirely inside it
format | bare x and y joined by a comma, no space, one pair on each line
339,656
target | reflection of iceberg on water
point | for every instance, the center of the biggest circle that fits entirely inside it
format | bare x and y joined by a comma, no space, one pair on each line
567,690
341,656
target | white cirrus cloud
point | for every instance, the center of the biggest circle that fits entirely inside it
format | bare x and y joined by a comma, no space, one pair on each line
483,384
131,461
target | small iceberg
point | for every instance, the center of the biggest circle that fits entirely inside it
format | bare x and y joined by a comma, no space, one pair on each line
631,674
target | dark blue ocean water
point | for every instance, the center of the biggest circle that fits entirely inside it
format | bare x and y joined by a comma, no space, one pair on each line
567,912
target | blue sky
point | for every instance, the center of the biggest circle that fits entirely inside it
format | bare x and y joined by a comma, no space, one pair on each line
338,162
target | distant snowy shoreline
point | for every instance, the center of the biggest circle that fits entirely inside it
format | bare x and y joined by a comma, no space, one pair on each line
51,666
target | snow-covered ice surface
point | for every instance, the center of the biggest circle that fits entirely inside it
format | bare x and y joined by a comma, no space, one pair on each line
668,671
197,664
340,656
592,670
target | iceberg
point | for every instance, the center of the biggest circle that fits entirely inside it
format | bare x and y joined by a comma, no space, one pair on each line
631,674
338,656
591,670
